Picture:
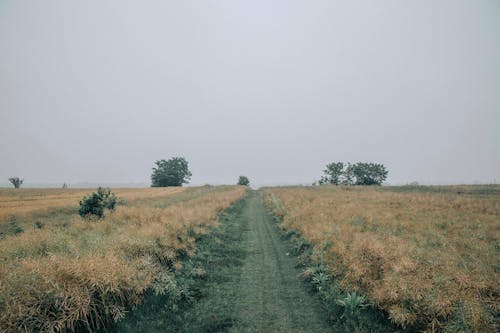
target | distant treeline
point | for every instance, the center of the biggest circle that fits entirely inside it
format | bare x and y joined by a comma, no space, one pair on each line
340,173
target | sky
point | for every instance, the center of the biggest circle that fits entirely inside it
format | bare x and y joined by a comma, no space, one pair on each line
96,91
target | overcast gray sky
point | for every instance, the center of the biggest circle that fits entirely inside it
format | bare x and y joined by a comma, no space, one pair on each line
98,90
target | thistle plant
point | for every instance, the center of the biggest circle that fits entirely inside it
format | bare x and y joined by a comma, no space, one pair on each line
352,305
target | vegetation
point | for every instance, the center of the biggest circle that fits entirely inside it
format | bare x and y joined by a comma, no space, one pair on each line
173,172
16,181
345,312
337,173
189,305
78,275
381,259
428,259
57,206
243,180
93,205
240,280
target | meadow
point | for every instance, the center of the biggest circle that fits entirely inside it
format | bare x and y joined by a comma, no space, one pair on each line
426,256
381,259
60,272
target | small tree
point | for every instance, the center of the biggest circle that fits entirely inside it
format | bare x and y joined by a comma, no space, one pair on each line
93,205
333,173
243,180
173,172
16,181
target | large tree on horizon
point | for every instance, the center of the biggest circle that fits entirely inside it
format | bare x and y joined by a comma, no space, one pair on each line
173,172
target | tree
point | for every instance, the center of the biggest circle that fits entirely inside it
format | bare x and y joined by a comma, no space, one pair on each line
173,172
16,181
369,173
333,173
354,174
243,180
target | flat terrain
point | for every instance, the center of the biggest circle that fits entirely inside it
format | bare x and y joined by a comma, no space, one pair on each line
427,255
59,272
222,259
251,284
270,296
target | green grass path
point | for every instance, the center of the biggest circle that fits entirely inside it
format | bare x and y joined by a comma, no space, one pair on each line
270,296
251,284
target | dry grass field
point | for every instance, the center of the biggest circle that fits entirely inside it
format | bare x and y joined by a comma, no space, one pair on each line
428,256
77,273
24,201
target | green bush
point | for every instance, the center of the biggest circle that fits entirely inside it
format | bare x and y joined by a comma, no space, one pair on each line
243,180
14,227
94,205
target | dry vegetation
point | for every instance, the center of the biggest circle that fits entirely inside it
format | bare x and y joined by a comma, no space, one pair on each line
429,258
24,201
82,274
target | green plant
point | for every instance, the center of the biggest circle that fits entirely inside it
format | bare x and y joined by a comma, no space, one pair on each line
300,245
243,180
334,173
354,174
14,227
94,205
173,172
352,305
368,173
38,225
16,181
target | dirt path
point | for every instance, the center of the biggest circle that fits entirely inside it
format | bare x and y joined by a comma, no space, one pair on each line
271,298
251,285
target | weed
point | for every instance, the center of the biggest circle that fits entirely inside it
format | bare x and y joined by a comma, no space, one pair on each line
38,225
352,305
14,228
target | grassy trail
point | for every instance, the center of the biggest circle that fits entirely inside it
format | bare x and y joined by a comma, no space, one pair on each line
270,297
250,285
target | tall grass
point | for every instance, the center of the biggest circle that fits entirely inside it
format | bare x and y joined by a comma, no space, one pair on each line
430,260
86,274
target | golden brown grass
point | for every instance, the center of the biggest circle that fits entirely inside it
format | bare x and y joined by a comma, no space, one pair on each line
429,259
23,201
88,272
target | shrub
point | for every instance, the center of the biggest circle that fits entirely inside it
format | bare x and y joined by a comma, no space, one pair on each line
93,205
243,180
14,227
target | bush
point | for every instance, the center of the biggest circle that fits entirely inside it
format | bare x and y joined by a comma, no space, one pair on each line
93,205
14,227
243,181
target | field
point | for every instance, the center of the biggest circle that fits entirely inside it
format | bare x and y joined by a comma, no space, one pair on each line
425,256
227,258
32,203
60,272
